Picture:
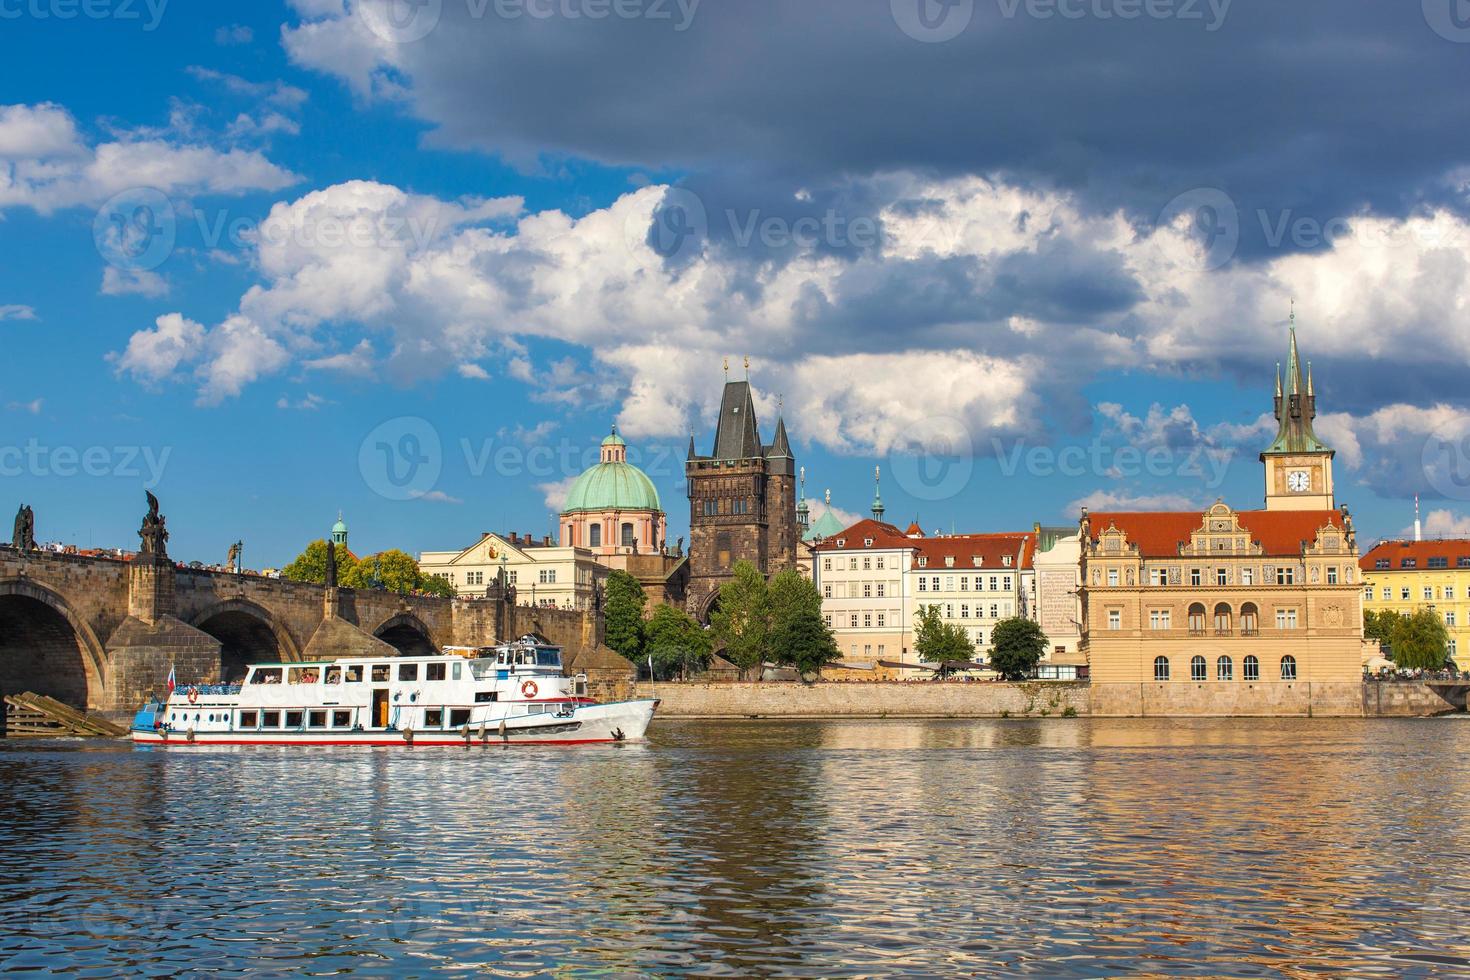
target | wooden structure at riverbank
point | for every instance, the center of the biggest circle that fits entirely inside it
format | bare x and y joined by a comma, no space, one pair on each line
37,716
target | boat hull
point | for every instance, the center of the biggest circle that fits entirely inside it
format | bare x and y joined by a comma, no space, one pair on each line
624,721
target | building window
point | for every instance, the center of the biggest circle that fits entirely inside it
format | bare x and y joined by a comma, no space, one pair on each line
826,564
964,610
1449,619
828,620
934,583
1381,564
1197,619
1224,669
1247,576
852,564
867,620
994,583
1250,619
1222,619
1409,563
1195,577
1252,667
1222,576
1286,619
949,610
1288,668
923,562
594,536
880,568
1368,593
949,583
1428,593
1439,563
1115,618
1006,583
853,621
1159,619
1332,575
867,590
1198,669
995,611
867,563
1404,593
1161,668
827,590
1156,576
882,621
921,584
1452,648
1285,575
964,583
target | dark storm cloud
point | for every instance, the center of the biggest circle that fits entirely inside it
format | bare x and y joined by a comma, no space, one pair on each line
1317,106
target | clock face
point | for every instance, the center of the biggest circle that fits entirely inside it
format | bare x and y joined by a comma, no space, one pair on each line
1299,481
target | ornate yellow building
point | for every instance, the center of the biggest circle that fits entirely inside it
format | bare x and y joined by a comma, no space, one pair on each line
1406,576
1230,612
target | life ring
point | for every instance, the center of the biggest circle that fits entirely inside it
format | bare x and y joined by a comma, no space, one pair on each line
193,695
529,690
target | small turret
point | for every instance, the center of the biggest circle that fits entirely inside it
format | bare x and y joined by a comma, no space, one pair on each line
878,493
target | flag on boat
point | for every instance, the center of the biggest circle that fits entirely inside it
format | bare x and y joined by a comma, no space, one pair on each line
172,681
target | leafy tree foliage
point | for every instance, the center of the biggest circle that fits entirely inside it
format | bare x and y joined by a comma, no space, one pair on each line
623,612
937,641
1019,645
311,565
742,622
1420,641
799,637
1379,625
677,643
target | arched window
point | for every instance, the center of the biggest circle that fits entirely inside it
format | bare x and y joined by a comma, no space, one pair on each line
1161,668
628,535
1197,619
1224,669
1288,668
1222,619
1250,619
594,535
1198,669
1252,665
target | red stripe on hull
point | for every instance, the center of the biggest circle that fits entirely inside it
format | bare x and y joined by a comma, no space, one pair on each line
182,743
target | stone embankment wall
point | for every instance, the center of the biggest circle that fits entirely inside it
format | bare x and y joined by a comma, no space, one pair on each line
786,699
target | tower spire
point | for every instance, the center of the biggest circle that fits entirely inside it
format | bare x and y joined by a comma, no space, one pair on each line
878,493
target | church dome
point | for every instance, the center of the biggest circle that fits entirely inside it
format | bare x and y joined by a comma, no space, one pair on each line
613,484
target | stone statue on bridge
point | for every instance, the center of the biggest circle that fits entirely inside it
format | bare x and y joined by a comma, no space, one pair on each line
24,538
154,532
331,564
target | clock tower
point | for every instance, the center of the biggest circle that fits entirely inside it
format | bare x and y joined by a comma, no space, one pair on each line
1298,465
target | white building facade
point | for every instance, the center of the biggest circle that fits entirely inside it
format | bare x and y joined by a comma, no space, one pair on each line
974,580
542,573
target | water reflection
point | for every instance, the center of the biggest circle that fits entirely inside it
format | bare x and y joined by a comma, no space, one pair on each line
1011,848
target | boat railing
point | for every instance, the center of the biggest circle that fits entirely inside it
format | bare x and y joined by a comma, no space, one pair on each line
211,690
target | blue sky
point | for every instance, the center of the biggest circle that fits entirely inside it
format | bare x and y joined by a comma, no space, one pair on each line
248,246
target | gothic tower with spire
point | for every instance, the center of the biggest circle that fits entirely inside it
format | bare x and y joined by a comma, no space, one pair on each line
742,500
1298,464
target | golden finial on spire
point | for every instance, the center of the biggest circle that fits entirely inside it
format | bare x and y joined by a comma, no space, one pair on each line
747,367
727,369
1292,318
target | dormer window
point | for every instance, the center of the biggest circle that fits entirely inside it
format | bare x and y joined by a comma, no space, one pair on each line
867,542
978,560
1006,561
923,562
842,542
949,561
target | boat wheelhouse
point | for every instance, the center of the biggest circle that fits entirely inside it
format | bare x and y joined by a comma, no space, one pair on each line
512,694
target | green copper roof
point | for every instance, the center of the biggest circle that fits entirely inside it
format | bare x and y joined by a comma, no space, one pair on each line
612,486
614,439
1297,407
823,527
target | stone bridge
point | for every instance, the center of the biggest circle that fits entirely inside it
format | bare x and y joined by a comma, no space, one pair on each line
102,633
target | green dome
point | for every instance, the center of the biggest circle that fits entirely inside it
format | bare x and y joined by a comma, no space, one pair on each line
612,486
614,439
825,527
339,527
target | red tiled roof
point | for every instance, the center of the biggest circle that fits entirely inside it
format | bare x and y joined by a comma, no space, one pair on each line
914,530
991,548
1158,534
852,538
1451,549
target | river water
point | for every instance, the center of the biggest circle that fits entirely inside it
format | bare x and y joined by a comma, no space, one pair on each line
1058,848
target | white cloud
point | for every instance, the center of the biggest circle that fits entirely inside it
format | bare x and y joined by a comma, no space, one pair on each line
233,34
31,407
1441,524
16,311
845,517
155,354
1106,500
310,403
473,371
359,361
140,282
556,493
437,497
45,164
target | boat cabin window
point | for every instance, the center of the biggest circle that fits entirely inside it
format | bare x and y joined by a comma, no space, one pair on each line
459,717
354,674
380,671
548,658
317,719
334,675
293,719
303,675
247,718
265,675
484,697
341,719
456,670
272,719
408,672
433,717
435,672
482,670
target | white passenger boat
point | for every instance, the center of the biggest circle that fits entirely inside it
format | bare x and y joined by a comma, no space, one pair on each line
514,694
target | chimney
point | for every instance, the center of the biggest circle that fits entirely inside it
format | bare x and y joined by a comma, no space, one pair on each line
515,538
546,540
1418,528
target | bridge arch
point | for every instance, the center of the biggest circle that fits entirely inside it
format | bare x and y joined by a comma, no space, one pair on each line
409,634
248,633
45,647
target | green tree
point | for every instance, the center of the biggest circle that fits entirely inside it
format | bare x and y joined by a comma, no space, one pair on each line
623,612
397,570
311,565
806,642
437,585
1379,625
937,641
1018,646
742,621
677,643
1420,641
